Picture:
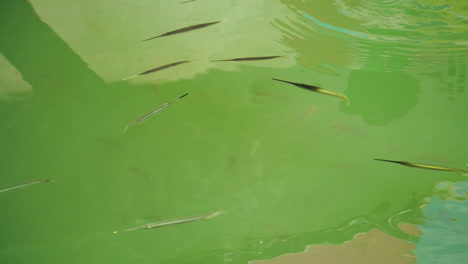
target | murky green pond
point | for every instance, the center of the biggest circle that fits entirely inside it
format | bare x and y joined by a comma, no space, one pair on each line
289,167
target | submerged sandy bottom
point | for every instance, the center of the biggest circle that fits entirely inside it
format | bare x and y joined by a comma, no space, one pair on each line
372,247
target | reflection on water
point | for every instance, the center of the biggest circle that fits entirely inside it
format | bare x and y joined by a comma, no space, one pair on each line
108,36
446,228
377,35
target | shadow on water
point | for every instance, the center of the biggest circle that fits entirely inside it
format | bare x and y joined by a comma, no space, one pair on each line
43,58
54,131
375,99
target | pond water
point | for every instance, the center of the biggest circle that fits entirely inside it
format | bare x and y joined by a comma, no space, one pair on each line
291,168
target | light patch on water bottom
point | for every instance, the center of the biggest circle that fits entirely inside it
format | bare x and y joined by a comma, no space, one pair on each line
12,84
455,191
371,247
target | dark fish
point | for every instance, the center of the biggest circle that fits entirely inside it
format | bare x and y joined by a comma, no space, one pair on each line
423,166
173,222
317,89
251,58
187,1
185,29
158,69
152,113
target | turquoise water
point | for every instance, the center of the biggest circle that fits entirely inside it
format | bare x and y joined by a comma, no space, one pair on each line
290,167
444,238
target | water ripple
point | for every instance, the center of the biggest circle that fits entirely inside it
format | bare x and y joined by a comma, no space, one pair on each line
383,35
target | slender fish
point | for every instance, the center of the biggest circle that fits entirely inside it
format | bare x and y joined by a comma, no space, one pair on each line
250,58
185,29
158,69
187,1
317,89
174,222
152,113
423,166
23,185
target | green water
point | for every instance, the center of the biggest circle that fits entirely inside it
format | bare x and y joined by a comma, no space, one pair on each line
290,167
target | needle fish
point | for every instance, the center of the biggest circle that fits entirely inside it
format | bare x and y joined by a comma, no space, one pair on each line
173,222
22,185
152,113
317,89
423,166
187,1
250,58
158,69
185,29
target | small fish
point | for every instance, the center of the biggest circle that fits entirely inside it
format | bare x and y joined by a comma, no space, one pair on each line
250,58
23,185
152,113
317,89
158,69
174,222
185,29
187,1
423,166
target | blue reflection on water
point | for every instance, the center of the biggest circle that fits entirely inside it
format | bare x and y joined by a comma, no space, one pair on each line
335,28
444,234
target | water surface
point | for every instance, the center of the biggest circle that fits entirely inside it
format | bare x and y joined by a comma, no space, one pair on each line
290,167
